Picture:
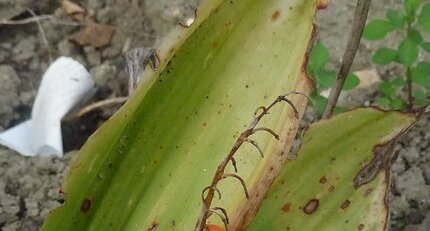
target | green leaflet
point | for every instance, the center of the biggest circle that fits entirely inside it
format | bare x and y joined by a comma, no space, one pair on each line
316,191
147,166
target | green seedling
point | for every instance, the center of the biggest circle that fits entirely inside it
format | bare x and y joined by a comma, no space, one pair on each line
413,87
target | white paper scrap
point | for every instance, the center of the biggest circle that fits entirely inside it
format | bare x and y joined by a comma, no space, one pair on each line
63,85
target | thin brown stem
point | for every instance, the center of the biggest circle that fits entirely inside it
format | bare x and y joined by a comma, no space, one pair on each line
42,34
360,17
409,88
38,18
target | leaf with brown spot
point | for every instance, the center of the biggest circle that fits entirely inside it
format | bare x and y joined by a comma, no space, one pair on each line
351,138
146,181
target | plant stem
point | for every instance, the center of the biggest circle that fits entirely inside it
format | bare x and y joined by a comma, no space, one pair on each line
360,16
409,87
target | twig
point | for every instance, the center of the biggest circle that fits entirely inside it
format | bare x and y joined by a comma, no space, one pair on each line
360,16
409,88
42,34
39,18
99,104
220,172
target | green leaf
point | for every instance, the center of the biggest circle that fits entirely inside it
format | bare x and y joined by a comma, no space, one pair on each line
426,46
377,29
338,110
415,36
422,102
351,82
383,102
319,102
420,95
395,17
326,79
387,89
146,167
397,104
398,82
319,190
411,7
424,18
424,67
384,56
419,77
318,59
408,52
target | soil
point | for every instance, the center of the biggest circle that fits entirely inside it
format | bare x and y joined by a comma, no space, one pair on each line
29,186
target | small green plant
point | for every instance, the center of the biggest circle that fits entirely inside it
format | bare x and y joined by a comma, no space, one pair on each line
413,88
324,78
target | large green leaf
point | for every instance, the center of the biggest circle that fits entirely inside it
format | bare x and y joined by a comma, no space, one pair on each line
340,179
146,167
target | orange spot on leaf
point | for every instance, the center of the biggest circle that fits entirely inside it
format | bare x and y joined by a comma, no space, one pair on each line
276,15
286,208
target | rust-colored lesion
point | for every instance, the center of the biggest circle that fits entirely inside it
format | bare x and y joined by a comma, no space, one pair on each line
345,204
86,205
276,15
311,207
286,208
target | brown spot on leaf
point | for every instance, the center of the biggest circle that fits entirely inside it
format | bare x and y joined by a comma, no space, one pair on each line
154,226
345,204
86,205
286,208
323,180
360,227
331,188
311,206
205,124
367,192
276,15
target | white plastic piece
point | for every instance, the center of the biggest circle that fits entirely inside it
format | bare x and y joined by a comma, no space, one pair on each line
63,85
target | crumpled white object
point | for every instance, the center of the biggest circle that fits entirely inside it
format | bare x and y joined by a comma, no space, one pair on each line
63,85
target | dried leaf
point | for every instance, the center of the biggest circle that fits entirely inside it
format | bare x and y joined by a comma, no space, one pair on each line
73,9
96,35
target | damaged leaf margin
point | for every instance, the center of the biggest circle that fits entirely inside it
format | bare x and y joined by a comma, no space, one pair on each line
346,177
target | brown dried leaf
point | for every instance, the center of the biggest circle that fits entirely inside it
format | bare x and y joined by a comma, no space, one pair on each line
96,35
73,9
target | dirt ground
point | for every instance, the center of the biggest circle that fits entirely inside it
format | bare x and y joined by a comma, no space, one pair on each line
29,186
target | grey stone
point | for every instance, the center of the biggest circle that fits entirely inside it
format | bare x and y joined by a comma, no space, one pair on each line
103,74
4,54
24,49
66,48
398,207
95,4
411,154
414,217
412,186
93,56
104,15
9,87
